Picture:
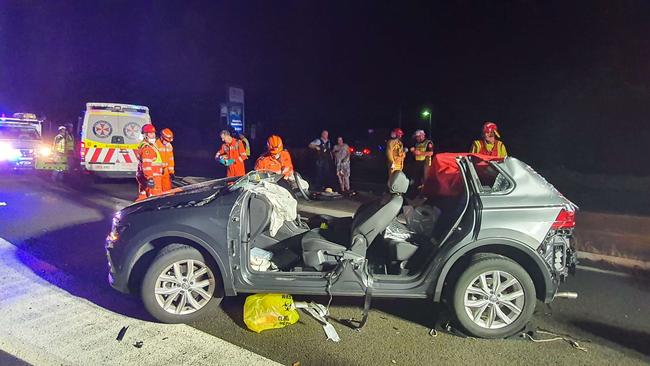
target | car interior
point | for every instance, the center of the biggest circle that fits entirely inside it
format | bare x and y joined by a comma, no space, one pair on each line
318,244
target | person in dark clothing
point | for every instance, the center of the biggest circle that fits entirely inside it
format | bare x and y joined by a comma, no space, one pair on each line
323,148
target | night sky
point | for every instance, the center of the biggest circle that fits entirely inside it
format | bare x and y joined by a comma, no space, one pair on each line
568,82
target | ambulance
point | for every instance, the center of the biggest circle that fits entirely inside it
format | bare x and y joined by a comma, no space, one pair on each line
110,136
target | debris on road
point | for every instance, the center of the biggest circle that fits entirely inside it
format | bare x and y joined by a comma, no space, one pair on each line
319,312
121,334
555,337
138,344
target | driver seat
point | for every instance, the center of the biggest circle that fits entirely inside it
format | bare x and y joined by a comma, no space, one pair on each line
369,220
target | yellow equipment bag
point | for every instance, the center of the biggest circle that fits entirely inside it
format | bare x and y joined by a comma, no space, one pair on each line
269,311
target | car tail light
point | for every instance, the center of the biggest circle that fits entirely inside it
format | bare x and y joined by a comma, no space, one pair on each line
352,150
566,219
366,151
82,151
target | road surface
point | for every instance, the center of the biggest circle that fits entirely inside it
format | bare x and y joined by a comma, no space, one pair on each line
61,229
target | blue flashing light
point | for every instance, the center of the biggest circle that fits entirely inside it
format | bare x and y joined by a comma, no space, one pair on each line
8,153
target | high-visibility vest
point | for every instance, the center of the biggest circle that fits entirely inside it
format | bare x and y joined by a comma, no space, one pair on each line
59,144
395,154
422,147
480,147
149,167
166,151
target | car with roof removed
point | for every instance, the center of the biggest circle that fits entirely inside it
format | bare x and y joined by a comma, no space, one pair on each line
500,241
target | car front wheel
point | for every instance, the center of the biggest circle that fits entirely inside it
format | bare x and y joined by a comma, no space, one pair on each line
181,285
494,297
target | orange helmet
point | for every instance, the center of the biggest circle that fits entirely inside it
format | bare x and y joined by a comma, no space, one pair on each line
274,144
167,135
148,128
491,127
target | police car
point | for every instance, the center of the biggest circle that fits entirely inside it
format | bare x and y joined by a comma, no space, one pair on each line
20,141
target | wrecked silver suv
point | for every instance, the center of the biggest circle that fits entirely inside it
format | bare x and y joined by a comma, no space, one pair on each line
500,241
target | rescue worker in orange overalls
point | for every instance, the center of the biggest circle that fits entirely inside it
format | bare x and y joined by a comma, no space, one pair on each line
276,159
490,144
395,152
231,154
164,145
150,165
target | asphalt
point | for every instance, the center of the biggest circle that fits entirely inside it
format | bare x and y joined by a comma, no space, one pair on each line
64,227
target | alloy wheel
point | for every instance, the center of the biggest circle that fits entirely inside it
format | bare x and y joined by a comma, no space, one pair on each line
184,287
494,299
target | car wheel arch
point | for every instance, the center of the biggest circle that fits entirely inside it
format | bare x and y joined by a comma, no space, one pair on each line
516,251
148,249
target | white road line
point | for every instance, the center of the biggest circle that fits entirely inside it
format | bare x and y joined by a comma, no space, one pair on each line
55,327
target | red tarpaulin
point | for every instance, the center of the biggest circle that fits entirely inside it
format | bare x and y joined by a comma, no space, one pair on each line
444,174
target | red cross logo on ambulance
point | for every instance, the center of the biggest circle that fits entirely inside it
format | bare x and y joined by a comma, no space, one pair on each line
102,129
132,131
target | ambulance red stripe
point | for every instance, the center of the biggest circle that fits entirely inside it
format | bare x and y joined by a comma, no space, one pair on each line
95,157
109,155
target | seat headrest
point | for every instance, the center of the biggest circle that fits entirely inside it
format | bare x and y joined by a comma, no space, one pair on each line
398,183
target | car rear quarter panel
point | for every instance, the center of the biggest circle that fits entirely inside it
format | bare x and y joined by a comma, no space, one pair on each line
527,210
526,224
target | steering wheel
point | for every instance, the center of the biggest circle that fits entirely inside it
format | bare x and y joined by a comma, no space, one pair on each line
303,192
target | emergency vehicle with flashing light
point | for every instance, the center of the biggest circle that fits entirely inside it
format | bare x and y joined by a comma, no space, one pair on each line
20,141
110,136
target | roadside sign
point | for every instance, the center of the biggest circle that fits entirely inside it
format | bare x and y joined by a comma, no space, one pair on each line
235,95
236,117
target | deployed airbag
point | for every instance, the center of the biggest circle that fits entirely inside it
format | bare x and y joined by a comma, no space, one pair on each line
284,206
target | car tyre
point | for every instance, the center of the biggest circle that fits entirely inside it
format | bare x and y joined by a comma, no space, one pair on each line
181,285
494,297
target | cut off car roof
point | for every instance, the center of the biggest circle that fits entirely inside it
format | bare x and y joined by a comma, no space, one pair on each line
444,177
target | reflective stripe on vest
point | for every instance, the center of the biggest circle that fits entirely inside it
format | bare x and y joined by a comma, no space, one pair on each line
158,159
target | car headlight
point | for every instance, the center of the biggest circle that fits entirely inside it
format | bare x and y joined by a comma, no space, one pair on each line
116,230
8,153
